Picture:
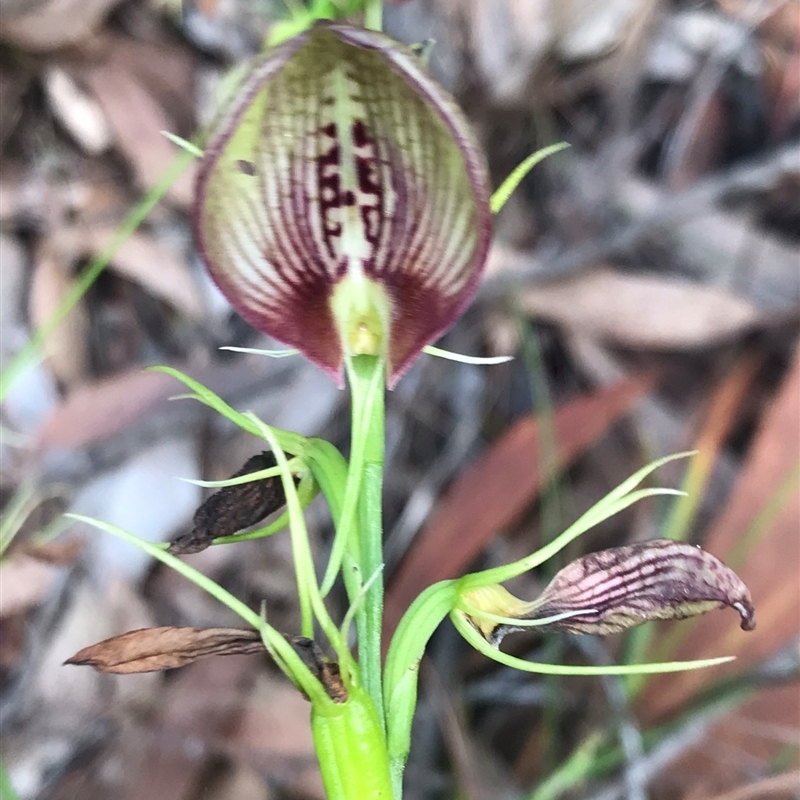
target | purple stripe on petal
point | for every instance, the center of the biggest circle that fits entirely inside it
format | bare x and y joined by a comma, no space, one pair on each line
341,156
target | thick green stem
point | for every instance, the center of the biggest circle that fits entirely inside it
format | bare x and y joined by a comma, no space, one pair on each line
367,386
351,749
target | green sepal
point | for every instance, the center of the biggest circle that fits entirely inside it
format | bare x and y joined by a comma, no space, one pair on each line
507,187
291,442
480,644
615,501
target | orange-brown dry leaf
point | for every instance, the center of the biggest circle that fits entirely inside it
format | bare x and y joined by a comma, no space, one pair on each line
166,68
766,725
97,410
59,553
66,349
154,649
197,712
770,567
24,583
207,7
499,486
702,147
137,121
100,409
720,416
273,735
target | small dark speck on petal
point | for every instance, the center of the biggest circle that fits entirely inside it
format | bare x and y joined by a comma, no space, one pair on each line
246,167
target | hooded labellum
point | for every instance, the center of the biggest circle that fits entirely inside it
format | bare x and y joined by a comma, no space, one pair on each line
342,205
611,590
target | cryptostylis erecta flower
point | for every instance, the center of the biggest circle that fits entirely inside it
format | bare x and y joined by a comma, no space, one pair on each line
342,203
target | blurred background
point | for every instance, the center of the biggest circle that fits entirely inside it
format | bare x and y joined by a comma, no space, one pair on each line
647,282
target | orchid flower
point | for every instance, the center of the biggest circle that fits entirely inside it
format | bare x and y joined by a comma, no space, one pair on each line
342,203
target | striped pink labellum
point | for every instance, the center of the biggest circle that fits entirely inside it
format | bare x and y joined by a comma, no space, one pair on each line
612,590
342,204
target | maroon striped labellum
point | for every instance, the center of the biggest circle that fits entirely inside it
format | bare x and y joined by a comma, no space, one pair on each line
342,204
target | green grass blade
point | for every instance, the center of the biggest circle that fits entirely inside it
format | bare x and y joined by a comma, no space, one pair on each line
29,354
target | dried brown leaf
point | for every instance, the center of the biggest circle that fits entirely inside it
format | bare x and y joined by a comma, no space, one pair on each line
137,121
100,409
273,735
60,553
66,347
325,670
155,266
207,7
77,111
201,706
642,311
96,411
154,649
769,562
233,508
24,583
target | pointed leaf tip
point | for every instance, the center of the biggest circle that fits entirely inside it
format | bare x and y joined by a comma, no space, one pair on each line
156,649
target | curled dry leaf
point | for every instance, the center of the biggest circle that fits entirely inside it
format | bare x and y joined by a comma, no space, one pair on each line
154,649
65,348
136,120
168,647
233,508
611,590
326,671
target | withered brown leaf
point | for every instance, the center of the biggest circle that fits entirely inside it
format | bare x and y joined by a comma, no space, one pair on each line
233,508
325,670
168,647
612,590
155,649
